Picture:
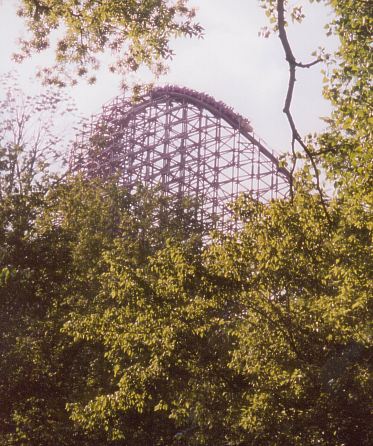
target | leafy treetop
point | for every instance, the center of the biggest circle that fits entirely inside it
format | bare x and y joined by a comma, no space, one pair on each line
136,32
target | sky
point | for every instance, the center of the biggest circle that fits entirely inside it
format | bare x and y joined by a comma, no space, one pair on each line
231,63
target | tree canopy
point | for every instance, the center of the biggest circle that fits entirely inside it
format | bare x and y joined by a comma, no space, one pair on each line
124,325
136,33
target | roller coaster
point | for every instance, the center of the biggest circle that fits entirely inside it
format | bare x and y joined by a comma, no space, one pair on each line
184,142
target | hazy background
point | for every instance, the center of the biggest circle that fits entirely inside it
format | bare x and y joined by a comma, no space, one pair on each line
232,63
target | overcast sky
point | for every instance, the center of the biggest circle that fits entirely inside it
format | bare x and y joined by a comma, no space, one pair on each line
232,63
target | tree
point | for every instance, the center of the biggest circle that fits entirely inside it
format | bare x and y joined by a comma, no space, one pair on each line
34,266
129,330
304,266
303,336
30,139
159,323
55,255
136,33
346,148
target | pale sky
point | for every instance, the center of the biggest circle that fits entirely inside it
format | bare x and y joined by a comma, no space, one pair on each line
232,63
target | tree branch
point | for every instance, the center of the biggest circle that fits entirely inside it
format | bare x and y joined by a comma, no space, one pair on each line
293,65
308,65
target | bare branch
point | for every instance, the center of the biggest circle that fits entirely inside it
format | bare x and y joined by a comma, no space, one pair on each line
293,65
308,65
292,168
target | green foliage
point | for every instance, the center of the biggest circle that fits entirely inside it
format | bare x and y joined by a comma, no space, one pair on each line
135,32
304,339
347,145
161,327
123,324
34,265
55,254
